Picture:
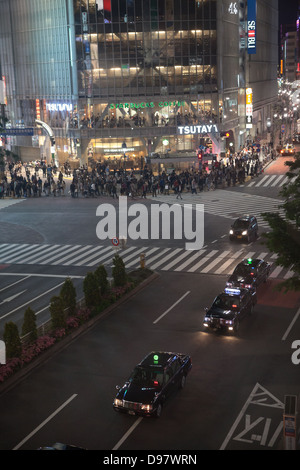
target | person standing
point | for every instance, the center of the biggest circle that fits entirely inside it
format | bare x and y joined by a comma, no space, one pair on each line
179,190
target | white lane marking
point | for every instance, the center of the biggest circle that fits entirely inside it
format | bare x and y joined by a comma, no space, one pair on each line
123,439
14,283
45,422
172,306
31,300
291,325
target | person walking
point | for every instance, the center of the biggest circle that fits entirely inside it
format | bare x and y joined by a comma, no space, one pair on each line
179,190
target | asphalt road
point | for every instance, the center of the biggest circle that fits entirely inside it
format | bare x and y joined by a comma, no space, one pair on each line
234,394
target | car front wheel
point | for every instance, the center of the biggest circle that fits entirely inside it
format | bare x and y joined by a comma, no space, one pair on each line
182,381
158,410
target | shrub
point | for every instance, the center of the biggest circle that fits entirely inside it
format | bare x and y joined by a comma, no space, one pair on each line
29,325
12,340
101,275
68,296
91,290
57,312
118,271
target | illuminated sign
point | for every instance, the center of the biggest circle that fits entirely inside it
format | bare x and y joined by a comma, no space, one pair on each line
59,107
142,105
38,109
199,129
249,108
251,27
233,8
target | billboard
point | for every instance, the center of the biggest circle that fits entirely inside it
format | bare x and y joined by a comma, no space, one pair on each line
251,27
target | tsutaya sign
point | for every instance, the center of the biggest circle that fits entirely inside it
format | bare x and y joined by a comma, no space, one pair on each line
198,129
59,107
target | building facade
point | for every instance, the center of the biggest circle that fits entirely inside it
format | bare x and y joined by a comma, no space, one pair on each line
125,81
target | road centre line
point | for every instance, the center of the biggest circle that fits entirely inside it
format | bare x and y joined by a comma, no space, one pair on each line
45,422
291,325
31,300
172,306
123,439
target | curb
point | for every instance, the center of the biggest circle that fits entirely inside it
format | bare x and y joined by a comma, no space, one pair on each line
21,374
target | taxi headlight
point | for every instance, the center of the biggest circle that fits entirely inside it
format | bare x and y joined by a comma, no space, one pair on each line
118,402
245,232
146,407
231,232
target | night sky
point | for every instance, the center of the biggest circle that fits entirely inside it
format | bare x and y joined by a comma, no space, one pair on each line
288,11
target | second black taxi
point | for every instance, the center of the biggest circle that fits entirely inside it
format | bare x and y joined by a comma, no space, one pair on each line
152,381
229,308
249,273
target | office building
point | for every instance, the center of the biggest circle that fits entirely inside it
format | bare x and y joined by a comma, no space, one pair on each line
122,81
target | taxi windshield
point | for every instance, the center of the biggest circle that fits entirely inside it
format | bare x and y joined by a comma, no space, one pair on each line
241,223
243,270
227,302
146,377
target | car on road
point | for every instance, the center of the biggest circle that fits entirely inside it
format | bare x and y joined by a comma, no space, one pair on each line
151,382
296,138
244,228
61,446
288,149
228,309
249,274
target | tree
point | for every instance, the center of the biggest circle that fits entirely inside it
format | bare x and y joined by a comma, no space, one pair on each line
12,340
101,275
57,313
29,325
118,271
91,290
284,236
68,296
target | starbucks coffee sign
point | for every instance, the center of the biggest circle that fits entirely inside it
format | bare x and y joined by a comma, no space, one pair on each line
142,105
198,129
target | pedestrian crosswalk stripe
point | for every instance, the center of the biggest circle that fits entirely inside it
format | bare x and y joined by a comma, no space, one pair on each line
70,255
215,261
177,260
197,265
159,263
228,204
269,181
190,260
205,261
229,262
82,255
259,183
9,202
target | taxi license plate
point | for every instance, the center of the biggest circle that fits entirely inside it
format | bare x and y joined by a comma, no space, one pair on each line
239,236
130,412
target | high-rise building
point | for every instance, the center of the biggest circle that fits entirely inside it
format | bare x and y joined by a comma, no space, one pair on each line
116,80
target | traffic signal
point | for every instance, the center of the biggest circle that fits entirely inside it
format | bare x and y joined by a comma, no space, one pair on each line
225,134
199,154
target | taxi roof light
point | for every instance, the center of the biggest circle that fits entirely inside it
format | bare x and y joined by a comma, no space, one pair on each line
229,290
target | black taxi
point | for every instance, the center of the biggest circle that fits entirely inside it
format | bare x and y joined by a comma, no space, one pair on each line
151,382
244,228
249,273
229,308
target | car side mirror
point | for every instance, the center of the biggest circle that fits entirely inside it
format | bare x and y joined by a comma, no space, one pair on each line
206,309
118,387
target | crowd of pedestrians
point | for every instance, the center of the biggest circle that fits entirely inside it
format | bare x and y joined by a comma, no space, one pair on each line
37,180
